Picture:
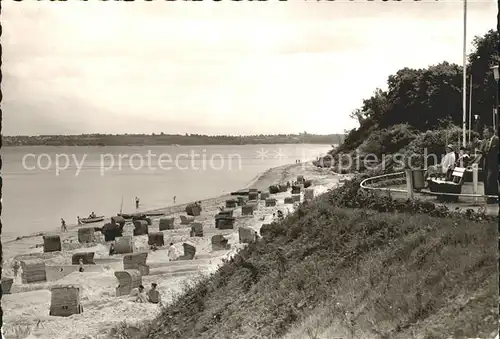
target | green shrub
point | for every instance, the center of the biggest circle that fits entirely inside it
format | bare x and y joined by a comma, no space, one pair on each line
388,140
352,196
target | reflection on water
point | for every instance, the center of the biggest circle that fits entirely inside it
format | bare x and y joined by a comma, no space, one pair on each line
75,181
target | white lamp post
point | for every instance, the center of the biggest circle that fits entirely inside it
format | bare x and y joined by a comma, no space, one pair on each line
495,73
470,105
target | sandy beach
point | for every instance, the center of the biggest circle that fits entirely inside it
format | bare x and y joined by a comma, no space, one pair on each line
26,309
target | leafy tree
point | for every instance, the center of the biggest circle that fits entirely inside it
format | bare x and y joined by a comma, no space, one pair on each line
429,98
373,108
422,97
484,86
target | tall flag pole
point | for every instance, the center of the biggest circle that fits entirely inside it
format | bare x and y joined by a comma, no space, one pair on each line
464,87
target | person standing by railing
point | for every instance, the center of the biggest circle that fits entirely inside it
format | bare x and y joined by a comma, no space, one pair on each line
463,158
489,151
447,163
448,160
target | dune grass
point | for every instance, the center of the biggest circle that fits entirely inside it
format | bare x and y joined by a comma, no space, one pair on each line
332,269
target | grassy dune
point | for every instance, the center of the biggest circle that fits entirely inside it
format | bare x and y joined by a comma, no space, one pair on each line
332,271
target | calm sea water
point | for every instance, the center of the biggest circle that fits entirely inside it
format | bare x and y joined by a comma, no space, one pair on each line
96,179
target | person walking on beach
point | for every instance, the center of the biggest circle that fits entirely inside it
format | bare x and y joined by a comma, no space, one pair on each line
153,294
16,267
78,220
63,226
172,252
136,202
111,249
174,199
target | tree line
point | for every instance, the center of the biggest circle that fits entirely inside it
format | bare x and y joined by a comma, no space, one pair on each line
430,98
167,139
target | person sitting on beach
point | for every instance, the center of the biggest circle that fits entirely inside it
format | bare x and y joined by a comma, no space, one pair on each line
256,236
280,215
153,294
111,249
80,262
172,252
139,295
63,226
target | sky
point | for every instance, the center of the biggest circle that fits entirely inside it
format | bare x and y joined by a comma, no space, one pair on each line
214,68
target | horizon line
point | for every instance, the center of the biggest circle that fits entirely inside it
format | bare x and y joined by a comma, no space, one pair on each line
167,134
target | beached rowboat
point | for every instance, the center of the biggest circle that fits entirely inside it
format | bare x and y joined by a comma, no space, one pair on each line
154,214
127,216
91,220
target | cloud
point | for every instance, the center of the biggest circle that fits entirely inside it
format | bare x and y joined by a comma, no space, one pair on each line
217,68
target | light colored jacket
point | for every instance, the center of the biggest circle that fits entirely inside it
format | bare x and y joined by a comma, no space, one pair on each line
172,253
447,162
138,296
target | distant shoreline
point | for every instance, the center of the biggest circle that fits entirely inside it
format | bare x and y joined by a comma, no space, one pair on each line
171,145
102,140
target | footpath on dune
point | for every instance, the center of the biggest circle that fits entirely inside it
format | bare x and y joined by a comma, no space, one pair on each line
334,270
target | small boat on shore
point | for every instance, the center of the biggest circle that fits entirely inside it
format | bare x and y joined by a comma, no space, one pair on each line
91,220
154,214
127,216
241,192
244,192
